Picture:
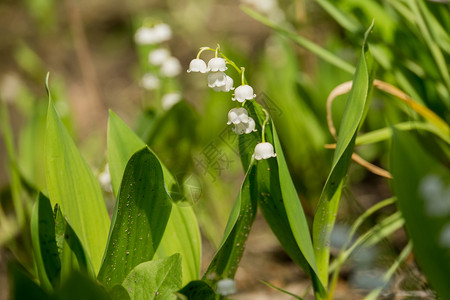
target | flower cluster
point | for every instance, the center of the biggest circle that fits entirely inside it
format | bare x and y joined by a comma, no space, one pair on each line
161,65
221,82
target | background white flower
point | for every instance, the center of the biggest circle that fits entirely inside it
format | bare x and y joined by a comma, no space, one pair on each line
171,67
150,81
158,56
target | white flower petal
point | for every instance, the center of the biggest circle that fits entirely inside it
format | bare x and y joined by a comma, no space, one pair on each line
197,65
264,151
243,92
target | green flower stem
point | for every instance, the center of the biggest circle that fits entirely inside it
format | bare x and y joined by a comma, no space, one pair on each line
263,137
204,49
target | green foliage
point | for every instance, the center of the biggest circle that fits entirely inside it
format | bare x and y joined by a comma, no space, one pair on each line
142,211
156,279
329,200
421,185
72,184
182,234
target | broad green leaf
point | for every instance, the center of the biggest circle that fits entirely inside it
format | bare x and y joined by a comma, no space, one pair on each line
79,286
140,218
422,186
182,234
196,290
71,183
277,197
157,279
118,292
227,258
45,251
329,200
72,254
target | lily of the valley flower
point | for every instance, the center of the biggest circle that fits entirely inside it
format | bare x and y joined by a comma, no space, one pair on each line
237,115
217,79
150,81
217,64
264,151
197,65
171,67
243,92
227,87
247,127
153,35
158,56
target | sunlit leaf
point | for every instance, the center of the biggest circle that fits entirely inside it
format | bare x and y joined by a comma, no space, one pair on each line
72,184
157,279
355,110
142,211
182,234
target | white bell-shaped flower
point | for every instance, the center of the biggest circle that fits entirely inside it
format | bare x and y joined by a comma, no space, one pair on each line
197,65
241,128
150,81
217,79
169,100
237,115
162,32
171,67
217,64
158,56
227,87
243,92
226,287
264,151
153,35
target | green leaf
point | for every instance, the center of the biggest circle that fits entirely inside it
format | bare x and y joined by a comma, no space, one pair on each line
157,279
354,113
197,290
422,186
182,234
45,251
72,254
71,183
142,211
79,286
227,258
277,197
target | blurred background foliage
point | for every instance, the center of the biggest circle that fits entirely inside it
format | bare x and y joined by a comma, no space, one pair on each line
95,65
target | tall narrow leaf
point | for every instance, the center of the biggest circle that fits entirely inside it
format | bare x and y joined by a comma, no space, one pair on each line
278,199
71,183
229,254
44,243
142,211
329,200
